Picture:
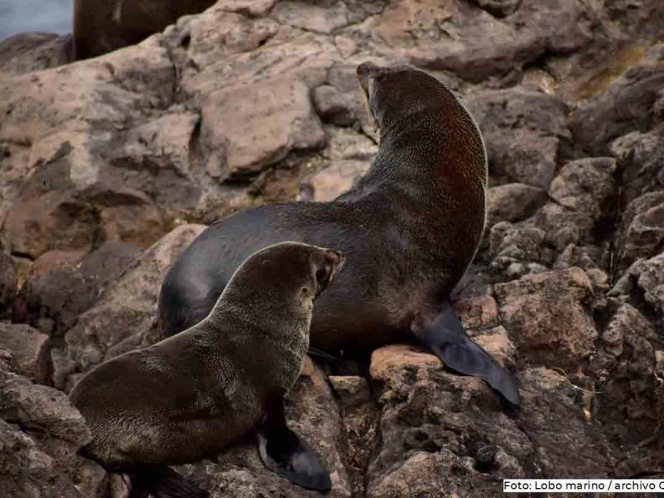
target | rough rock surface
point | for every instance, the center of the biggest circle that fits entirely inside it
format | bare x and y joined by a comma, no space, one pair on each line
8,281
29,52
108,167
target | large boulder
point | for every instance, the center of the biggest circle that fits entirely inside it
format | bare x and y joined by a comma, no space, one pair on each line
121,319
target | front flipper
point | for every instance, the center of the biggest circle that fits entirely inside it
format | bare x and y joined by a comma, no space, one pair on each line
447,338
319,353
287,454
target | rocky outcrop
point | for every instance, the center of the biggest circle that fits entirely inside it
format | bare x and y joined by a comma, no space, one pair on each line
110,167
28,52
121,319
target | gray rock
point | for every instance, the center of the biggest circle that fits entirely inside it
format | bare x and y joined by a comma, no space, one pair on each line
499,8
450,425
512,202
581,194
576,448
27,52
269,119
517,250
641,231
8,281
640,157
29,348
57,298
125,310
545,316
332,106
28,472
651,282
452,36
41,409
627,106
331,182
523,132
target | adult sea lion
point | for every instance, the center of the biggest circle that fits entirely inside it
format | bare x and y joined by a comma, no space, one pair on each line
192,395
101,26
410,228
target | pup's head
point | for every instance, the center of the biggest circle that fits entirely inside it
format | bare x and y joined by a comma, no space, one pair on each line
289,275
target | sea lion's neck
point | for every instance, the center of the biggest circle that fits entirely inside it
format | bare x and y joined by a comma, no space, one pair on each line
273,342
429,153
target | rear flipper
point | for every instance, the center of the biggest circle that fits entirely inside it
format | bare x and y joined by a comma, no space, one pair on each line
287,454
447,338
163,482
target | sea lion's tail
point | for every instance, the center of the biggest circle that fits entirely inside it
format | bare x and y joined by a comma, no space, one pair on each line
163,482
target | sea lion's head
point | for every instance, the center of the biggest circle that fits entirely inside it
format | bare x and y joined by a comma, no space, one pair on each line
289,276
395,92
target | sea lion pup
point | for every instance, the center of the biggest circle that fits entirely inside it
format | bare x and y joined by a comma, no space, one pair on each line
410,228
192,395
101,26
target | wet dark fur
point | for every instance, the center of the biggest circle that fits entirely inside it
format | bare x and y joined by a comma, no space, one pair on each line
192,395
410,227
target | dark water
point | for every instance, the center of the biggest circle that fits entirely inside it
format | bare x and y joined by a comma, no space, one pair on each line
50,16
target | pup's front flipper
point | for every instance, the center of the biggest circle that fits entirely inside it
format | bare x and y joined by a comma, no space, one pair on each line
287,454
447,338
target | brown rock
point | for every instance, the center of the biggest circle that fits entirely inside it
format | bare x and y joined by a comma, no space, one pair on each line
512,202
331,182
426,474
125,310
544,314
312,17
452,36
452,425
552,414
641,231
360,418
41,409
333,106
477,311
499,8
498,343
581,193
8,283
27,470
91,479
523,131
56,299
56,260
27,52
244,129
626,106
29,348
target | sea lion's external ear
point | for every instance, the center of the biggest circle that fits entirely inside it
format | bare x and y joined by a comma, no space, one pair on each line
287,454
447,338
